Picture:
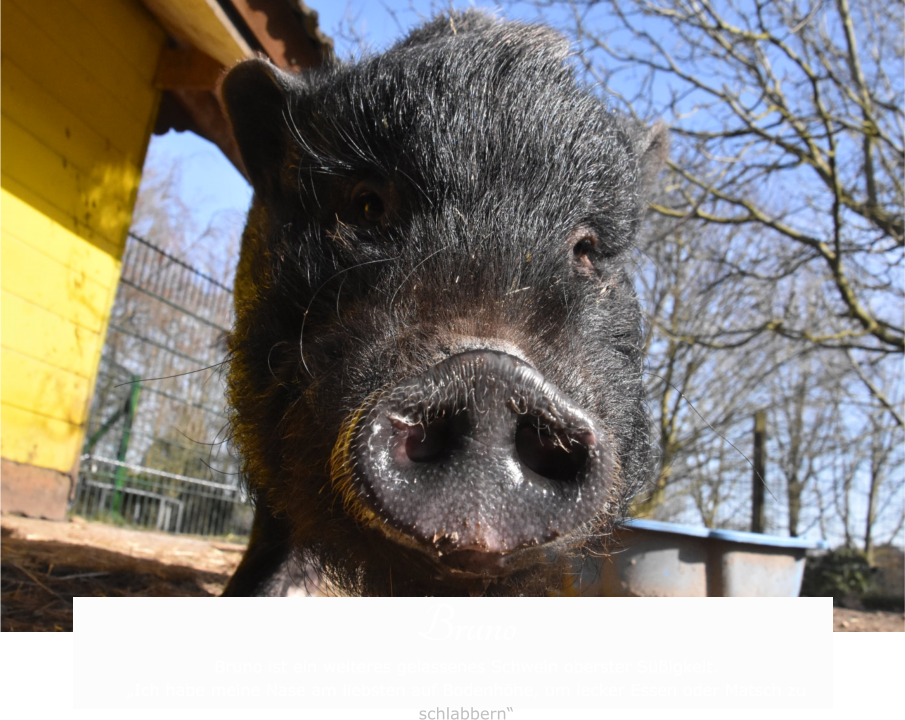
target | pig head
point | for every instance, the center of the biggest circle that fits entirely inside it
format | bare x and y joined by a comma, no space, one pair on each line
435,371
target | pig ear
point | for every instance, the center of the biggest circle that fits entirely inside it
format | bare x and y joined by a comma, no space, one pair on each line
256,95
652,151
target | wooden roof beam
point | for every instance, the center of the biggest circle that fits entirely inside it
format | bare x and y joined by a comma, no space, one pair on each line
212,35
204,109
202,24
191,77
280,31
187,68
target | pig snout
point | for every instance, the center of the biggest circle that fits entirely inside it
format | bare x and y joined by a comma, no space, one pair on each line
435,373
473,460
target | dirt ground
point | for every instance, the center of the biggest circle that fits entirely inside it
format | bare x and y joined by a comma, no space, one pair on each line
45,564
845,620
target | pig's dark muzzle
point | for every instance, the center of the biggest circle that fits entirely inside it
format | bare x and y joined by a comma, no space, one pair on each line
477,458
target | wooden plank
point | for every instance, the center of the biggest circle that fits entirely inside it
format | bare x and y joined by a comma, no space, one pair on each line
45,117
28,225
37,440
69,32
67,223
33,51
187,69
45,336
50,392
102,201
204,25
41,280
130,28
34,165
78,105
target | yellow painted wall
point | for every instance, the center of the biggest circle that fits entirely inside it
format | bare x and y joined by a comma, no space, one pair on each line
77,108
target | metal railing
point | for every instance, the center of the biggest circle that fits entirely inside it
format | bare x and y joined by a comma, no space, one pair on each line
155,453
168,502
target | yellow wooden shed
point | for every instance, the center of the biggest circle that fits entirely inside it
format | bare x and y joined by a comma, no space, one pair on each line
84,85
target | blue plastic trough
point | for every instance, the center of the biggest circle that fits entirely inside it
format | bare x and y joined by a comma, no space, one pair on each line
660,559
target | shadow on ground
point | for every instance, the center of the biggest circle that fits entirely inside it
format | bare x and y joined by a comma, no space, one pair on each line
40,578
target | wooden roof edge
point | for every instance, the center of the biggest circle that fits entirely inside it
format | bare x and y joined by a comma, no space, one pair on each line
311,22
212,35
202,24
287,31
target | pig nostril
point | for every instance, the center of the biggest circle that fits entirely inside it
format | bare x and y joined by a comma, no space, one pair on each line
431,442
551,456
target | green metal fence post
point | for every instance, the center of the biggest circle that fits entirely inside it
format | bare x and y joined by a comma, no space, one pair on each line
131,405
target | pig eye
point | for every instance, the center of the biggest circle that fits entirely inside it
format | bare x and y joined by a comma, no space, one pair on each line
583,244
368,206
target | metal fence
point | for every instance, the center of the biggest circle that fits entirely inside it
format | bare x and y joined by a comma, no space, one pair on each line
155,454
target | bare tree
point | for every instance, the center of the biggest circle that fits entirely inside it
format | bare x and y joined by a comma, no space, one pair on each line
698,395
882,446
164,215
808,429
788,118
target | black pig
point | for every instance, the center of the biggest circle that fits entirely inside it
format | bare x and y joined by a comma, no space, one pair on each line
435,372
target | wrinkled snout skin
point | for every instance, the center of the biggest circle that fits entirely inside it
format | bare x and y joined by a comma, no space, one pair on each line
435,372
